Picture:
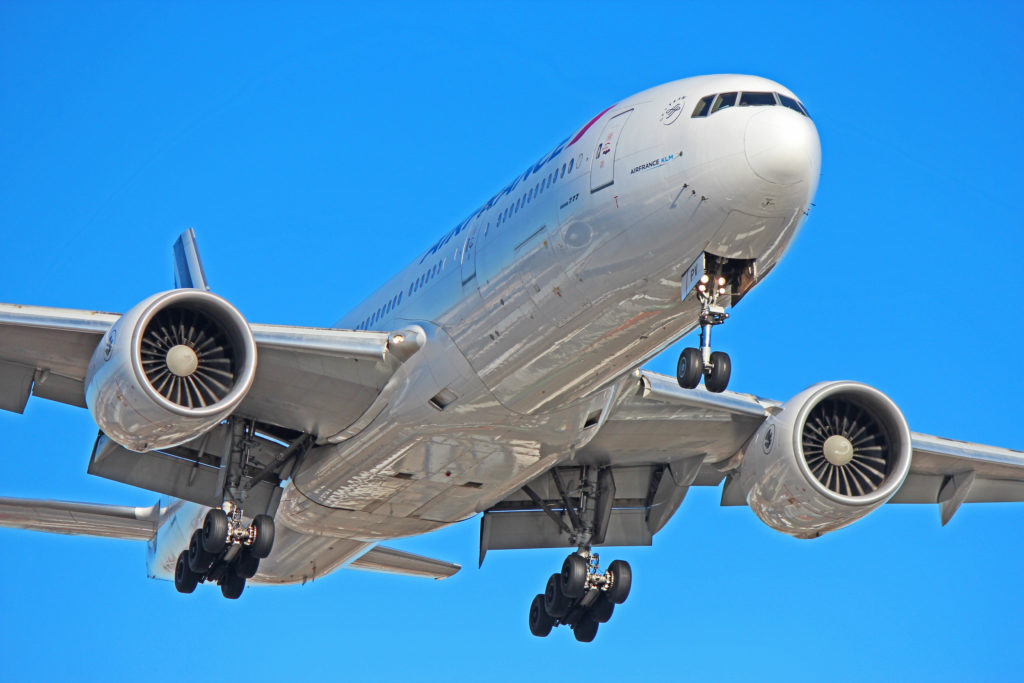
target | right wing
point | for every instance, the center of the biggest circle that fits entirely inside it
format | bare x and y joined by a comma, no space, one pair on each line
80,519
308,379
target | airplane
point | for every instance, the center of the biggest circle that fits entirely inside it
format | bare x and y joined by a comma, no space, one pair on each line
498,375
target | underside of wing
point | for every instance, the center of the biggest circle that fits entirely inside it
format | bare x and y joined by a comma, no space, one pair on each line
80,519
391,561
813,464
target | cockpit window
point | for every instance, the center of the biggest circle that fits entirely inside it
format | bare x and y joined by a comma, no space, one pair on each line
747,99
703,106
757,99
792,104
726,99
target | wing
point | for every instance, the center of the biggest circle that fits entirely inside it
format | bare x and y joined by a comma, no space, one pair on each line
85,519
660,439
310,380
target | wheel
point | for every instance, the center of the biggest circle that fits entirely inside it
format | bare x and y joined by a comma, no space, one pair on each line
199,560
556,604
540,621
215,531
585,630
601,611
246,565
622,580
263,527
690,368
185,579
721,368
574,576
231,586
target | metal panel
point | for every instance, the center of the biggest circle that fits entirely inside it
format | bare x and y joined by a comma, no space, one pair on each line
184,478
15,385
534,529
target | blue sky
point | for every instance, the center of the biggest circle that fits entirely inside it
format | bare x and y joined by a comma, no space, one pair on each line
317,148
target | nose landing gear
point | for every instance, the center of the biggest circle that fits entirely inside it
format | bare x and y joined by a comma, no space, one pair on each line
714,366
225,551
581,596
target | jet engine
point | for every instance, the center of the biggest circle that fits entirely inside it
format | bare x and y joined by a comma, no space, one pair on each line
170,369
826,458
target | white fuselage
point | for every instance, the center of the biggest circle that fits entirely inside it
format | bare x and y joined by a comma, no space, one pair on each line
539,305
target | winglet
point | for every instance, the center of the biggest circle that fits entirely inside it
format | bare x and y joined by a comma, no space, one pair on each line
188,268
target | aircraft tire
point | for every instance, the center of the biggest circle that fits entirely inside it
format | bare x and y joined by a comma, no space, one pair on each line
574,576
199,560
556,603
232,585
601,611
721,370
247,565
689,368
585,630
215,531
622,581
263,525
185,580
541,622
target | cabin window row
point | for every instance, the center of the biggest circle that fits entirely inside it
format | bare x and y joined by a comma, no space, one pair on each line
536,191
712,103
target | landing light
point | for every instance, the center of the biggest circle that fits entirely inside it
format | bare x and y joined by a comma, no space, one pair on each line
721,290
721,282
704,279
398,338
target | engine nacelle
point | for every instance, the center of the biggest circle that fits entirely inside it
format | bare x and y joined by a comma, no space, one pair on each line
829,456
169,369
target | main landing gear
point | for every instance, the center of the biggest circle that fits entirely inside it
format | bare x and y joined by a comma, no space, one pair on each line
715,367
580,596
224,551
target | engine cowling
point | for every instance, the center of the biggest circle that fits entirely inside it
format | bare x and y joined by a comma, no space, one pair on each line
826,458
169,369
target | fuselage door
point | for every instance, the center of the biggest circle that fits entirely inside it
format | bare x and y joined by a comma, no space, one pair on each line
469,254
602,169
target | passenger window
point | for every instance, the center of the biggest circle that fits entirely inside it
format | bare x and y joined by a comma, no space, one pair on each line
702,107
570,165
726,99
563,171
529,197
757,99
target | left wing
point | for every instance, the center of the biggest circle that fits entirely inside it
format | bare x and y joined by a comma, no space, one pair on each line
660,439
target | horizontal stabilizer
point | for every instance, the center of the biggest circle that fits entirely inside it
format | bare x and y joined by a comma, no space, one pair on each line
391,561
80,519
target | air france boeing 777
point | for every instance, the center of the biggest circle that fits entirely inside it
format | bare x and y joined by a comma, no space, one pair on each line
499,375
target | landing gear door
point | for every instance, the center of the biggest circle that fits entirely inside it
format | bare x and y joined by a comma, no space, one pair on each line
602,169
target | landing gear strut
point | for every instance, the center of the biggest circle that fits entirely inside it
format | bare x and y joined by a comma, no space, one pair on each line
226,551
715,367
581,596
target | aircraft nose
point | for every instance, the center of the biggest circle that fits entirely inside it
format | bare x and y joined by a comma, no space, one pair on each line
782,146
